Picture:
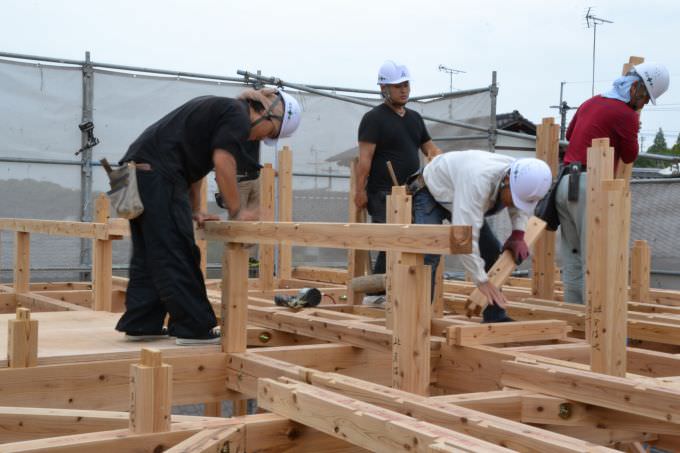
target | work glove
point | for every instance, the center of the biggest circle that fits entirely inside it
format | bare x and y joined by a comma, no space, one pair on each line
515,243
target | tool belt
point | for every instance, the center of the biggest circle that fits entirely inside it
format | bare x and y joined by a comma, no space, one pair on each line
124,193
249,176
415,183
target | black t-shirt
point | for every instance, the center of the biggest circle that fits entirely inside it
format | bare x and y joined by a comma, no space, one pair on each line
397,139
251,162
180,145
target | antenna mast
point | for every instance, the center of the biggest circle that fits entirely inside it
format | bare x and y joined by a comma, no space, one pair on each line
593,21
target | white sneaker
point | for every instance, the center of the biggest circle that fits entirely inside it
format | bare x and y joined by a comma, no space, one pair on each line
373,300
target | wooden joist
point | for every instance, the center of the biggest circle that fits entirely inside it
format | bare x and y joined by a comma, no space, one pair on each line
496,333
442,239
360,423
660,402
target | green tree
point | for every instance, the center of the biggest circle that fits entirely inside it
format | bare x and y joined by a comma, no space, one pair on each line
658,147
676,147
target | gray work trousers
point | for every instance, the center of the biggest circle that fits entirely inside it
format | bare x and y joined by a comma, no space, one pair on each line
573,239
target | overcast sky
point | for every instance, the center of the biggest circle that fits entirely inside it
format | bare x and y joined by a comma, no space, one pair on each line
533,44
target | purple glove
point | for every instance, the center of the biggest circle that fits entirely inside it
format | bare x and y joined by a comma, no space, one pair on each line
515,243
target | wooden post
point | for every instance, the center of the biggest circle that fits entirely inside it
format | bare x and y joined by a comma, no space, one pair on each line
438,298
102,264
285,169
150,394
398,206
543,256
239,408
212,409
234,298
358,262
600,167
22,262
640,264
608,226
411,330
203,243
22,340
267,176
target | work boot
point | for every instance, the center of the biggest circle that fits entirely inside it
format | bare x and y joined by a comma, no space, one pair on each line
494,313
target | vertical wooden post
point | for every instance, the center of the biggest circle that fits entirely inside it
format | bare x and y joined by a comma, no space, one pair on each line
285,169
398,206
22,340
639,273
150,394
234,298
22,262
543,257
358,262
213,409
608,226
203,243
438,298
266,214
102,264
239,408
411,330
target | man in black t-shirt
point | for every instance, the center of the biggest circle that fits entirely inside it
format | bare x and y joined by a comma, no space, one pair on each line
172,157
389,132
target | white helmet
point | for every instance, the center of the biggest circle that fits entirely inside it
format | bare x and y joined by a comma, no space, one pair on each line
655,77
391,73
291,118
530,180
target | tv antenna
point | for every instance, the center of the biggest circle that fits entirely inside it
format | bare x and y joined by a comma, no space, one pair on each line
450,72
593,21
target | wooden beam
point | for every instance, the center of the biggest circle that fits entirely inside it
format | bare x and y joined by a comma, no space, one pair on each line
267,200
411,332
659,402
22,340
104,384
285,199
215,440
360,423
321,274
503,267
442,239
22,262
640,265
102,260
57,228
496,333
37,302
543,256
150,394
234,298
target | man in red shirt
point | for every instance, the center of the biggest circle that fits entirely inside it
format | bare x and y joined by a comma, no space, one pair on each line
615,115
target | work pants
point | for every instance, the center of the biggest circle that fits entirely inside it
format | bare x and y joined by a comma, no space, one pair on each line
165,272
572,216
377,209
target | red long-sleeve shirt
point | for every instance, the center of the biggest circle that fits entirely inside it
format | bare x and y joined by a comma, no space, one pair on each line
601,117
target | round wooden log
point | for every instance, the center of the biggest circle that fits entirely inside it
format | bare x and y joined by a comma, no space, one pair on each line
368,283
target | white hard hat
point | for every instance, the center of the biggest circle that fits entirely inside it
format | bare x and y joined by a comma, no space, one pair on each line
530,180
391,73
655,77
291,118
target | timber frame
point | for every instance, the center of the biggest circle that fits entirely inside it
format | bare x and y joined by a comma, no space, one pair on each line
347,377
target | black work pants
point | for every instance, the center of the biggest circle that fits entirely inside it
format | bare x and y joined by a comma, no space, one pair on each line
377,209
165,271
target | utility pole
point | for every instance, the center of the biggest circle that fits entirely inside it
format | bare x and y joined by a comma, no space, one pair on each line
593,21
563,108
450,72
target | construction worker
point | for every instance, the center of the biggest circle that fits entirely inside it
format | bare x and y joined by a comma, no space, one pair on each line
172,157
392,133
613,114
464,187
